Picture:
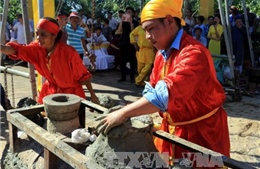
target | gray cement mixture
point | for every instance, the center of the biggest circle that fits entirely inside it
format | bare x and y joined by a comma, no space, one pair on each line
107,102
12,161
132,137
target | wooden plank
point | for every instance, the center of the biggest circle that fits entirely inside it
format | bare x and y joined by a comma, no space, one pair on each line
51,142
12,136
27,111
50,159
228,162
93,106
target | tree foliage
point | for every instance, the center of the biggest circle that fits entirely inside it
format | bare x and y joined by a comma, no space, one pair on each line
254,5
14,8
102,6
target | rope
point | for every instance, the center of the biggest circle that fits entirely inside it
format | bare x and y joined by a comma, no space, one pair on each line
12,83
92,23
92,55
59,6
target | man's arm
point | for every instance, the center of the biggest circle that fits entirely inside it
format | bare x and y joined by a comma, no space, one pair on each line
84,45
93,96
133,36
8,50
139,107
120,27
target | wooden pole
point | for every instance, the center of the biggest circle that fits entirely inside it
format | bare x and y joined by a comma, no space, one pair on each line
28,39
185,7
227,41
228,162
248,34
141,5
3,26
228,26
40,7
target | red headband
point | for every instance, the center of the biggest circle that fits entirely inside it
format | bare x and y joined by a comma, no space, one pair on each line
61,16
48,26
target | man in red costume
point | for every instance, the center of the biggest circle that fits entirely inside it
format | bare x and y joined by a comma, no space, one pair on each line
183,86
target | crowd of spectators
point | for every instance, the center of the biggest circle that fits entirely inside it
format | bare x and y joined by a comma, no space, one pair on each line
210,34
114,30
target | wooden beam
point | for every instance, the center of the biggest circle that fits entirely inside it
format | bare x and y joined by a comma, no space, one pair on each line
51,142
94,106
228,162
50,159
12,136
27,111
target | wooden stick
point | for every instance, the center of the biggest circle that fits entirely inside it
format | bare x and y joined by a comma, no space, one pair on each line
228,162
51,142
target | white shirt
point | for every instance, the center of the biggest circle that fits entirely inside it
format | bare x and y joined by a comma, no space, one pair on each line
100,38
84,19
119,20
18,27
89,21
113,23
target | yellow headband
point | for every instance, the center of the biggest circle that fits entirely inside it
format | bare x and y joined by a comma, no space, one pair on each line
156,9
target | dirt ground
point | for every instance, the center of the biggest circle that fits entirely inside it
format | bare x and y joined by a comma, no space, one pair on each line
244,130
243,117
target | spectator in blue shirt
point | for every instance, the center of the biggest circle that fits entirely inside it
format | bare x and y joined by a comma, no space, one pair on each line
199,20
199,37
238,41
234,13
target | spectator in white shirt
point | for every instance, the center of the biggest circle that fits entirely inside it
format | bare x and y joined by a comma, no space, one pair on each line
14,33
112,22
98,36
120,14
89,22
19,28
83,17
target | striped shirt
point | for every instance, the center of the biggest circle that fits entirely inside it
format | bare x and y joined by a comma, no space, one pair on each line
74,37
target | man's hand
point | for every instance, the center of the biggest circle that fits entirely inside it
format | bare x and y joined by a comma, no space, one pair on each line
92,57
136,47
94,99
111,120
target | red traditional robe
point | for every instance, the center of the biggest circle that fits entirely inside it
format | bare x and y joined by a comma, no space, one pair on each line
194,91
63,71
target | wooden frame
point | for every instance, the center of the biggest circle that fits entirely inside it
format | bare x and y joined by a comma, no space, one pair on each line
53,145
59,146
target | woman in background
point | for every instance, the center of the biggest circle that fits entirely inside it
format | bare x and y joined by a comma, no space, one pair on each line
214,36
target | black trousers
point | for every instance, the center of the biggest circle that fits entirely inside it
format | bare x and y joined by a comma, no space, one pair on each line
2,92
128,55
